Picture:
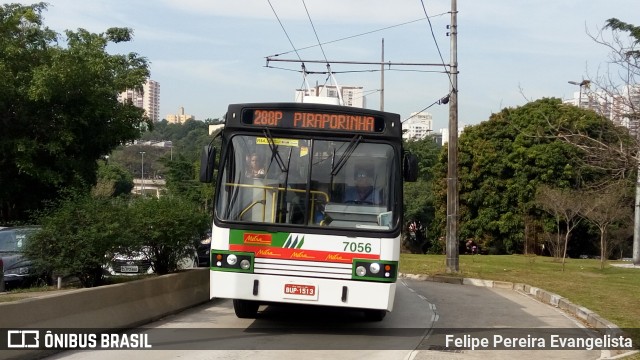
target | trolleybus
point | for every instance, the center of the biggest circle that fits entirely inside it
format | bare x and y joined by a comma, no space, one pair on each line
308,206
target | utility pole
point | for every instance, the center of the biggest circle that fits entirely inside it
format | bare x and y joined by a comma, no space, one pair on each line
142,174
453,256
636,223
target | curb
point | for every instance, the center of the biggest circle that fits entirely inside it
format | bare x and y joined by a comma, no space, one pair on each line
579,312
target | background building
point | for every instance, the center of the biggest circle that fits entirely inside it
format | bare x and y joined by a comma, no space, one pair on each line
351,95
417,126
179,118
148,99
622,108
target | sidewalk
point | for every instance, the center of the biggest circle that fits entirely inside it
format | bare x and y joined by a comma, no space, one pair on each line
628,266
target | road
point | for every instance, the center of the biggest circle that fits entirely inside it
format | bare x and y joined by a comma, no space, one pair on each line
425,312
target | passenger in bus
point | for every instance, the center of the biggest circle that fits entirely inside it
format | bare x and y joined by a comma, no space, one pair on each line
255,168
363,192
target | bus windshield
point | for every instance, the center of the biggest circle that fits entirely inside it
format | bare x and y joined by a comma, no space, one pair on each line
308,182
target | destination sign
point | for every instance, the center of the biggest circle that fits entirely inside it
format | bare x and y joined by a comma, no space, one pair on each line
313,120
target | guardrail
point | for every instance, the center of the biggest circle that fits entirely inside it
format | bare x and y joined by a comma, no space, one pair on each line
118,306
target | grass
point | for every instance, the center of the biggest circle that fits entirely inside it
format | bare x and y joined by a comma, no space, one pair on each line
612,292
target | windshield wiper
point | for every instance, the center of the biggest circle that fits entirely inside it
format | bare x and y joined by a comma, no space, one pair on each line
274,151
346,154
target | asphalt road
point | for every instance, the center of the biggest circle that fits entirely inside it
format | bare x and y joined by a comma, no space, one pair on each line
424,314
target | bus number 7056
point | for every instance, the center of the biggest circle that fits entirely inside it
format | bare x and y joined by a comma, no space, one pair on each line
357,246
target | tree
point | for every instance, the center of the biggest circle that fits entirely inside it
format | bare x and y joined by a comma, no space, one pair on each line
168,226
566,206
59,111
504,160
606,208
113,180
618,84
78,235
419,198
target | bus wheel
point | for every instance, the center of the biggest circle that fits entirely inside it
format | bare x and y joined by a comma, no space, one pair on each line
374,314
245,309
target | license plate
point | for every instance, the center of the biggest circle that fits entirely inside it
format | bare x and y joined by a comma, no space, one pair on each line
301,291
128,269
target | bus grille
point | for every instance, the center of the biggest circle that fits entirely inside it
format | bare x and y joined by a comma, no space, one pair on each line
302,268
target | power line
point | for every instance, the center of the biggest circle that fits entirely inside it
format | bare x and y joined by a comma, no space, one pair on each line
443,100
314,31
436,42
358,35
353,71
283,29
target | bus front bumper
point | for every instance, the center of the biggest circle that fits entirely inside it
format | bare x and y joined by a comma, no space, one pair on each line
299,290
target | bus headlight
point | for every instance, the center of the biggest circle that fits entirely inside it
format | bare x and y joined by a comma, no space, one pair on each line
232,261
374,270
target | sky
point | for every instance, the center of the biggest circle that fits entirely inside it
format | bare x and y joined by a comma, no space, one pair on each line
207,54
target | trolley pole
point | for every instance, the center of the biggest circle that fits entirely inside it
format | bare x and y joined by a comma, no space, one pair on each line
453,256
382,78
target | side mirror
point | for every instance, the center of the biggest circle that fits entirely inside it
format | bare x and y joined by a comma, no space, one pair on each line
409,167
207,163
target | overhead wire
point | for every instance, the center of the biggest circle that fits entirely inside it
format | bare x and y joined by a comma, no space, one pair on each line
304,71
442,100
285,31
361,34
356,71
315,32
436,43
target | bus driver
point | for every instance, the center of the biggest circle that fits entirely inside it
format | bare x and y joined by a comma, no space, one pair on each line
363,192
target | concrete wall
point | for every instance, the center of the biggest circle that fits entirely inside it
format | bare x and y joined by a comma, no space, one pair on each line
114,306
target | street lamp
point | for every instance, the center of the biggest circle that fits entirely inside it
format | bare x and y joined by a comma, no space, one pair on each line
584,83
142,175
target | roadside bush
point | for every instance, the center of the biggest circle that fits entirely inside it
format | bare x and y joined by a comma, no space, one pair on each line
77,235
167,227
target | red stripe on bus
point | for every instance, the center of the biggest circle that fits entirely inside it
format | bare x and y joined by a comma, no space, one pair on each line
302,254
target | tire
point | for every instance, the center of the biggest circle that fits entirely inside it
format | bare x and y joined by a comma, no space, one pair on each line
374,314
245,309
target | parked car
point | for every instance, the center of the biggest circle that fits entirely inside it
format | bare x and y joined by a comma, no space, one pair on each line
18,270
204,249
139,263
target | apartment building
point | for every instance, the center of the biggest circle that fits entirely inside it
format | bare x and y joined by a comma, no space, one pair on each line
621,107
180,117
147,99
351,95
417,126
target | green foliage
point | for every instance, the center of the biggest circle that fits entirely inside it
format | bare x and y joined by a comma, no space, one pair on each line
634,31
418,197
115,178
502,161
77,236
168,226
58,107
419,200
80,234
187,139
182,179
